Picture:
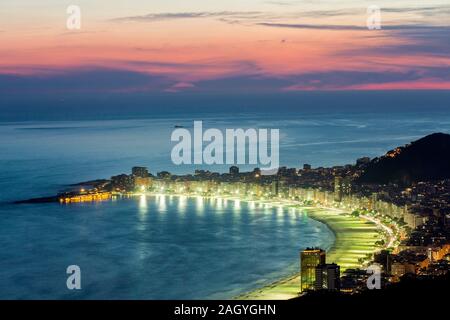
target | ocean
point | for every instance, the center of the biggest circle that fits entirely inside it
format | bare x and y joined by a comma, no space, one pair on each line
161,247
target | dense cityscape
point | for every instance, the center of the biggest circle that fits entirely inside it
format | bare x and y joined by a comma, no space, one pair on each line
413,219
259,159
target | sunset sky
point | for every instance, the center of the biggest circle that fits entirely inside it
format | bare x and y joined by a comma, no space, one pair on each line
170,46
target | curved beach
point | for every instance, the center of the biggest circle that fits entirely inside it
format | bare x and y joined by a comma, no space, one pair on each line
355,239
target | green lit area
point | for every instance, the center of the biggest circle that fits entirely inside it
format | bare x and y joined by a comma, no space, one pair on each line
356,238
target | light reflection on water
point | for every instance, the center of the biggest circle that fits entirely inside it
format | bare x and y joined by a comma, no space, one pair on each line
237,205
161,199
131,248
149,247
143,208
199,205
182,203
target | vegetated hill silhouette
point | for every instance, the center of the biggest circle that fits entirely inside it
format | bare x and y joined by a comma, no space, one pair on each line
426,159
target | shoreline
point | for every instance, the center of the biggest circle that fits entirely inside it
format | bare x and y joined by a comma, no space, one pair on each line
355,238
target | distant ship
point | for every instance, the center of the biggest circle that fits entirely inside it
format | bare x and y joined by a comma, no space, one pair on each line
178,126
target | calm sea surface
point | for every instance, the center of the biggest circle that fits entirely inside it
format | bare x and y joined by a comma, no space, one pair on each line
161,247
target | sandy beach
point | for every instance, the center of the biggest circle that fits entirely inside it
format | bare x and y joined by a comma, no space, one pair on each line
355,238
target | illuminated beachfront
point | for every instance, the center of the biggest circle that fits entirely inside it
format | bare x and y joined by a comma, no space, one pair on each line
396,228
372,225
369,230
87,197
356,237
359,231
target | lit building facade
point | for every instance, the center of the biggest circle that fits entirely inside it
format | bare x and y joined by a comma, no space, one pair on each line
310,258
328,277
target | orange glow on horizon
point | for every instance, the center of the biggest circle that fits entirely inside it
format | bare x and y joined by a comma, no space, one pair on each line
188,51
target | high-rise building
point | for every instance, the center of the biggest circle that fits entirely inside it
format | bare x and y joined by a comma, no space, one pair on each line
234,170
306,167
327,277
337,188
122,182
374,201
142,184
310,258
384,258
342,186
346,186
275,188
